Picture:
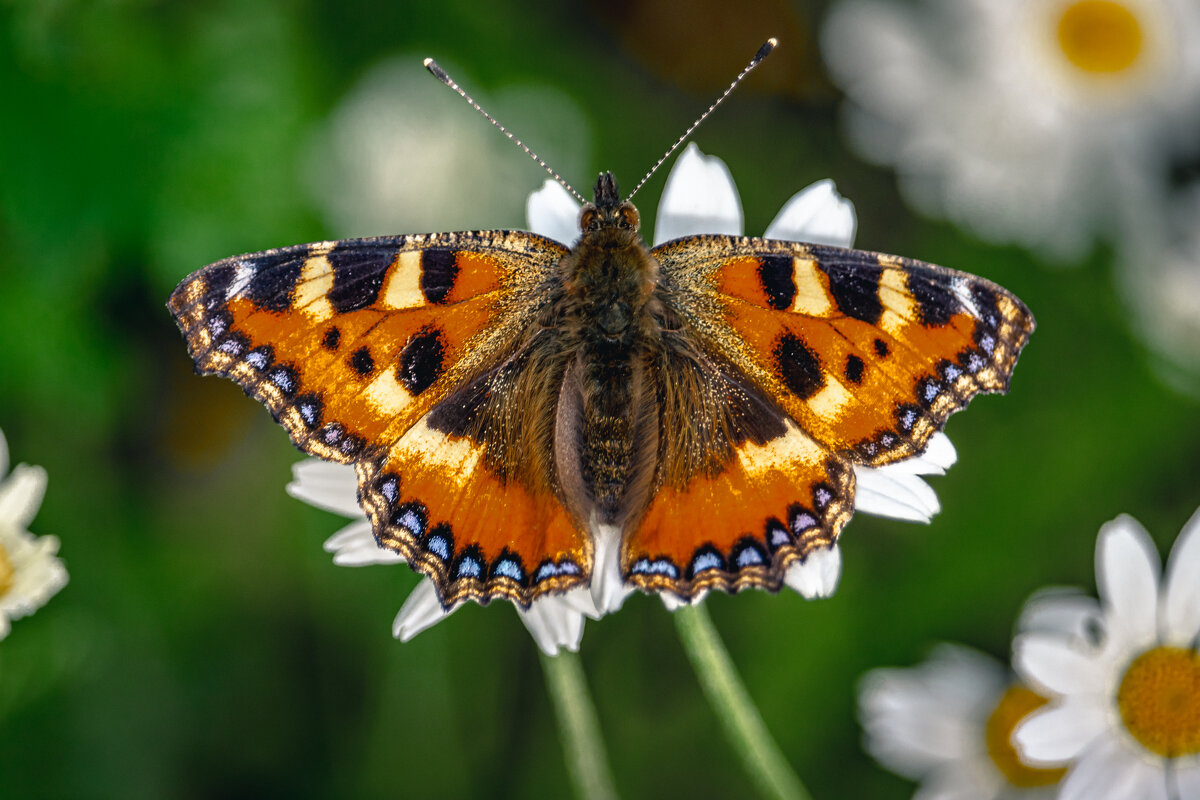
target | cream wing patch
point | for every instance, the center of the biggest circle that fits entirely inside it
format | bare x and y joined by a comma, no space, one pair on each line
812,293
403,287
781,453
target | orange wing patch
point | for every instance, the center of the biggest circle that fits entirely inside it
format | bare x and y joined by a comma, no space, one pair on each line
773,504
432,498
349,343
869,353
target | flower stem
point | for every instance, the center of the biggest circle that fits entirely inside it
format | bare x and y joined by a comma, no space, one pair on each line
587,761
744,726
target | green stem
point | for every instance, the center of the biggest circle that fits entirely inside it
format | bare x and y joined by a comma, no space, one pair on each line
744,726
587,761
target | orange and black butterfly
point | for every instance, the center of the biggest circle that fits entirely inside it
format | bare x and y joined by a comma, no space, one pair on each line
506,398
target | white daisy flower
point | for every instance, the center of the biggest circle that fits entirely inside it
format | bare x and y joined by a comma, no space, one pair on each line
398,152
1026,120
1124,712
1160,274
29,571
700,197
947,724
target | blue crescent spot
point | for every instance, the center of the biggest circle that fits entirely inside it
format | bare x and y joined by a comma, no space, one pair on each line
661,566
749,557
469,568
803,522
704,561
412,523
438,546
508,568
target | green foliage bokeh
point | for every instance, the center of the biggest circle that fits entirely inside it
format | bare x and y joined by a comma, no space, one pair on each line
206,646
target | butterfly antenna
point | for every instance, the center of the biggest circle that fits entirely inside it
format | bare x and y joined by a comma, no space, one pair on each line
441,75
762,53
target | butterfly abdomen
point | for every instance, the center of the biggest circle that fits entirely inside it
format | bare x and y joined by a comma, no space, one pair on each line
609,280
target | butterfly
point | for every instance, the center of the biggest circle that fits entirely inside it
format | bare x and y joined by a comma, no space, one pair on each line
505,397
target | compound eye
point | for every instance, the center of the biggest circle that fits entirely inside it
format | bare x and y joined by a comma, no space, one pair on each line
628,216
589,220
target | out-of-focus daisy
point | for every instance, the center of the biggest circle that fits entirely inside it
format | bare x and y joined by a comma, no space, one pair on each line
1028,120
946,723
402,153
29,571
1159,269
1124,713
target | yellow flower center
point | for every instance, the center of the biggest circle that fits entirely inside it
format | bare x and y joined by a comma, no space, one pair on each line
1100,36
6,572
1015,705
1159,701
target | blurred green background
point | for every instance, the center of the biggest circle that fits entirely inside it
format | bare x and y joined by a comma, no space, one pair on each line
207,647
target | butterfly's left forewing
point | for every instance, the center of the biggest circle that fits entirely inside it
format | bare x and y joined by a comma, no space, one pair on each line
864,355
869,353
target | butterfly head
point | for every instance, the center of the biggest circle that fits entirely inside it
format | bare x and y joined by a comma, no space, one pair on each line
607,213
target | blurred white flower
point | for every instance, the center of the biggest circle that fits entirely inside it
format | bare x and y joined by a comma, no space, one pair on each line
29,571
700,197
401,153
1029,121
1124,711
947,724
1159,269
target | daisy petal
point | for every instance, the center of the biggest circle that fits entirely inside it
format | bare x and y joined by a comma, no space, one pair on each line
1108,770
1181,603
1050,663
1127,568
1187,780
1057,734
553,623
608,588
552,212
580,599
888,493
920,719
1061,610
37,575
674,603
970,779
421,610
21,495
816,214
699,198
332,487
355,546
938,457
817,575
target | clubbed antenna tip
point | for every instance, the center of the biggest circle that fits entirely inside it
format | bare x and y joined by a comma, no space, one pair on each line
762,53
441,75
